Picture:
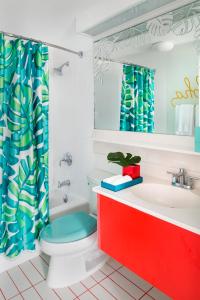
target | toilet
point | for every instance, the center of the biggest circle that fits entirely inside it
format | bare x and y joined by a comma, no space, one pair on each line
71,242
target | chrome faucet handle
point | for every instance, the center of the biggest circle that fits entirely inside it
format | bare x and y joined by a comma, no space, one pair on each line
190,181
193,178
181,172
174,177
67,158
172,173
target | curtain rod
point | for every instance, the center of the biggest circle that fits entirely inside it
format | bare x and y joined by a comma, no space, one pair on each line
121,62
79,53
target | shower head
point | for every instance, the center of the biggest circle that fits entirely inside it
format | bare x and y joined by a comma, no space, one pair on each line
59,70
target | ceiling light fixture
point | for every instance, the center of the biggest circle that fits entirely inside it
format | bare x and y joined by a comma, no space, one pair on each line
163,46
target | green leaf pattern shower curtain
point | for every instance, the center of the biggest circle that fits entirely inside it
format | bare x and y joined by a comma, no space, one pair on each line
137,99
23,143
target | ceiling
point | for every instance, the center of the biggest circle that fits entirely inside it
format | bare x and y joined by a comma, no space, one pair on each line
49,20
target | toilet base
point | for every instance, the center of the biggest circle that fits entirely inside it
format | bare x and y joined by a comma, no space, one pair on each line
65,270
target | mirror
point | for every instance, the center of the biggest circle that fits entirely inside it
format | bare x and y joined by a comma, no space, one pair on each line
147,76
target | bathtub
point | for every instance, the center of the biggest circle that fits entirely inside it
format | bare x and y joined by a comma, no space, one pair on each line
57,208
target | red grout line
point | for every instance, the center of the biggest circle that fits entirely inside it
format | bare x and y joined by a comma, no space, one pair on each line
104,275
123,289
84,287
14,284
44,260
113,267
107,276
73,292
91,285
101,279
32,285
37,270
97,284
2,294
117,270
108,291
88,290
26,290
148,294
15,296
94,295
80,294
119,287
56,294
41,275
25,275
44,279
132,282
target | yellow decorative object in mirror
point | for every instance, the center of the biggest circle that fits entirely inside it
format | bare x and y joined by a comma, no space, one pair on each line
190,93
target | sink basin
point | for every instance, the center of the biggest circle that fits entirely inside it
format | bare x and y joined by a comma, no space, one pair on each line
168,196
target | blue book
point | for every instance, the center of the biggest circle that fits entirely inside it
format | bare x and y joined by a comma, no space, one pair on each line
116,188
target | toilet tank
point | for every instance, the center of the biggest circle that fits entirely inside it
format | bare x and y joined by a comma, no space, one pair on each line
94,179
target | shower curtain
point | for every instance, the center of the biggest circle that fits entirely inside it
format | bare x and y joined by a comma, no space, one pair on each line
23,143
137,99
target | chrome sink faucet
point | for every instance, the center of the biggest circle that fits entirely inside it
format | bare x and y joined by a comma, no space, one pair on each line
182,180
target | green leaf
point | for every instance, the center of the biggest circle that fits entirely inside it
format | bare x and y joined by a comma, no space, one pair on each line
122,160
128,156
115,156
135,160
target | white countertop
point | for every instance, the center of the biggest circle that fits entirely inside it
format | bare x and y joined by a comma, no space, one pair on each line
187,218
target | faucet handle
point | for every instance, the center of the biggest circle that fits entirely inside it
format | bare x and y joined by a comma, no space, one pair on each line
193,178
67,158
190,181
172,173
181,170
174,177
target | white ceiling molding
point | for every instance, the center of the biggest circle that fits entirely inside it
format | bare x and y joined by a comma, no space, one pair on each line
143,11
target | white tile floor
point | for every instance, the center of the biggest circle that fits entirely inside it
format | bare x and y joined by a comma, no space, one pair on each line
113,281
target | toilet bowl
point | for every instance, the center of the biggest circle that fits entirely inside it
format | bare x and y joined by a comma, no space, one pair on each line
71,243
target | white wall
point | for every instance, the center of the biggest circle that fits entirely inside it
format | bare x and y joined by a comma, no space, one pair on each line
71,122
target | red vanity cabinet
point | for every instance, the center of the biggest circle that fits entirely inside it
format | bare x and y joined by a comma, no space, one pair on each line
165,255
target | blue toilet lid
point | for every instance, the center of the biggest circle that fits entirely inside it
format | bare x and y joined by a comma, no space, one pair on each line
69,228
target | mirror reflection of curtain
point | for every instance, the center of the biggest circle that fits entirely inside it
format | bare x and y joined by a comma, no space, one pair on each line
137,99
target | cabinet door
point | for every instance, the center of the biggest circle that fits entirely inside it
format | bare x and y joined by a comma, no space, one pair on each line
165,255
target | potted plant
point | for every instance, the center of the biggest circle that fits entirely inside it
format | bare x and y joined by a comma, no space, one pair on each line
128,162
